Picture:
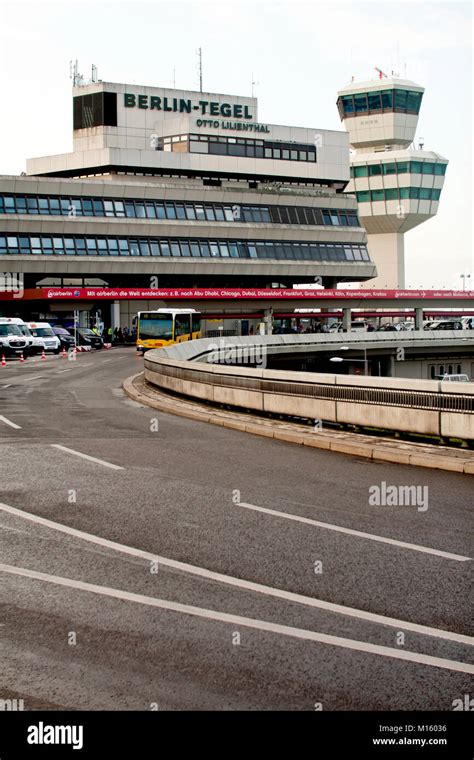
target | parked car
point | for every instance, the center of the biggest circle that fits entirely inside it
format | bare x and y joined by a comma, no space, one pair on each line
446,324
453,378
34,345
66,340
467,323
12,341
87,337
48,340
357,325
389,327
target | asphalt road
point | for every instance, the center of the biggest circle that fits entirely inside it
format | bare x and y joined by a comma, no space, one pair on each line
238,611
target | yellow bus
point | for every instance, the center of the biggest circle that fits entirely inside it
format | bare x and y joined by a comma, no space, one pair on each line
164,327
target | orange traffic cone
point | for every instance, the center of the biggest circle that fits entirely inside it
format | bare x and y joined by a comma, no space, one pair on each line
21,358
4,364
43,355
64,354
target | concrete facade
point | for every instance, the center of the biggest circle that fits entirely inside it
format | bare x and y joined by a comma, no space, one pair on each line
186,188
397,187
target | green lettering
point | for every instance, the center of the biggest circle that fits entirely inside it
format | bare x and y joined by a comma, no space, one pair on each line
142,101
129,100
185,106
247,115
203,104
226,110
214,109
237,112
155,103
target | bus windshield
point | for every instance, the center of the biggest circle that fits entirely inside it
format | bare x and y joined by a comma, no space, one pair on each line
155,326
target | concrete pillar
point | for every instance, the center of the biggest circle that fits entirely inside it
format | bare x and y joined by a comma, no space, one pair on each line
115,315
268,321
419,318
346,320
387,251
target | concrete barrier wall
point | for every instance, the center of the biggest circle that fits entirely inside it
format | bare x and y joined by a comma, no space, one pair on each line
277,392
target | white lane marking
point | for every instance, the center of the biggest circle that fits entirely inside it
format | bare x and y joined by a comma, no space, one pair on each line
9,422
289,596
86,456
35,377
261,625
360,534
7,386
87,365
104,361
62,371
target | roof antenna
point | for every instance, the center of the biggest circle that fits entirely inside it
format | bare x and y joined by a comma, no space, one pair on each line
77,79
254,83
200,68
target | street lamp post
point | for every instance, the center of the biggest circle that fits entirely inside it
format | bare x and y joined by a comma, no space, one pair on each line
364,360
340,359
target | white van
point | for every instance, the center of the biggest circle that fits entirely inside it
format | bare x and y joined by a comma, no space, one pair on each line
44,333
13,341
35,345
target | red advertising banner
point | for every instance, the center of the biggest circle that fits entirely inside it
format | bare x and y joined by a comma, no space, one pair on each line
113,294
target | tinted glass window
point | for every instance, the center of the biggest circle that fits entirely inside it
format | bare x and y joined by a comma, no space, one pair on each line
375,101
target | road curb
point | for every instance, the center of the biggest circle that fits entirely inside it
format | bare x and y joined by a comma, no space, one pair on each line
382,450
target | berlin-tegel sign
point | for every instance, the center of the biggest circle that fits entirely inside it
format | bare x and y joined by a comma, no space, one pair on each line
78,294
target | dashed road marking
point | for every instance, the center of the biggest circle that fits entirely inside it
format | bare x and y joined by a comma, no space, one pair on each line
86,456
358,533
9,422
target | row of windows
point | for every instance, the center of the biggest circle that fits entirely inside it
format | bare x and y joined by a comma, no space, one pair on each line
399,193
237,146
211,212
83,246
399,167
400,101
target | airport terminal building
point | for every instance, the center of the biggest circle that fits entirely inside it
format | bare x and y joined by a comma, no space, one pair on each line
180,189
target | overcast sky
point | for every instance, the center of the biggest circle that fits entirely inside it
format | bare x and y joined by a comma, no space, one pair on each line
298,53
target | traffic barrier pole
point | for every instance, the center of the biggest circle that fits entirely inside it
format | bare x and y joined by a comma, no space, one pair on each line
4,364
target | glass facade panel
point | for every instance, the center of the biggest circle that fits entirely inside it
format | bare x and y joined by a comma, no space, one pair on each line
375,101
375,170
361,171
400,100
360,103
387,99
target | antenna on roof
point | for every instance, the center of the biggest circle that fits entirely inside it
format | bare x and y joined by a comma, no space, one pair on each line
254,83
94,74
200,68
77,79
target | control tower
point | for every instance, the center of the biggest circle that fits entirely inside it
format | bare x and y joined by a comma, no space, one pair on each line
397,186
